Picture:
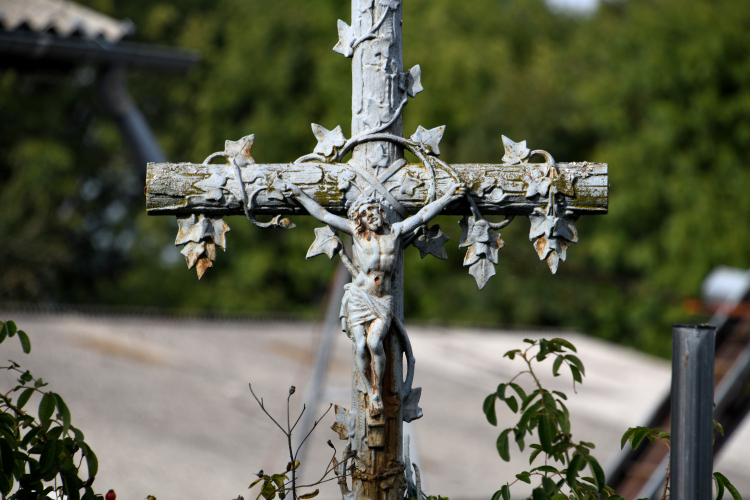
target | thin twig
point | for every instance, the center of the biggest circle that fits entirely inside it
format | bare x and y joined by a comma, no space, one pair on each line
666,482
260,402
304,407
313,428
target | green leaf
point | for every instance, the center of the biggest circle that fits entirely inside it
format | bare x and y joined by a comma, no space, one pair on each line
549,486
497,495
6,484
573,468
525,477
11,327
521,393
718,427
255,482
539,494
519,439
562,395
556,366
30,436
588,445
638,437
91,461
543,350
503,445
3,331
47,457
719,486
501,391
64,412
596,469
506,492
512,403
25,342
534,454
24,398
529,341
511,354
626,436
489,409
309,495
733,491
269,489
577,362
545,468
545,434
279,480
576,374
46,407
77,433
564,343
6,455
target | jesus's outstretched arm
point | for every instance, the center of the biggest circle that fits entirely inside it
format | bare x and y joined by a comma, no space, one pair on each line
317,211
431,210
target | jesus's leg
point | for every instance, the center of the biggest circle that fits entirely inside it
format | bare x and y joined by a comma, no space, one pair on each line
360,358
377,332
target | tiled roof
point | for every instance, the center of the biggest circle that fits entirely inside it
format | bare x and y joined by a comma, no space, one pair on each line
61,17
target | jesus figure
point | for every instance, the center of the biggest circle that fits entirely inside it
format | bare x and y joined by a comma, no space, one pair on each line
367,307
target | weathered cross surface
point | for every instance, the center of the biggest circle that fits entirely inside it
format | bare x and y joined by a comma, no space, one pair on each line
384,204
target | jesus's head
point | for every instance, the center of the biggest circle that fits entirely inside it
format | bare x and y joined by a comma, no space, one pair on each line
368,215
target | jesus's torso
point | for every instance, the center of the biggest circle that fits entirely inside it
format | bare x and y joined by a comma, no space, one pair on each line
375,256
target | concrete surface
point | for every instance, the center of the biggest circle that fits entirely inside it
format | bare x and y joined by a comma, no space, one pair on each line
165,403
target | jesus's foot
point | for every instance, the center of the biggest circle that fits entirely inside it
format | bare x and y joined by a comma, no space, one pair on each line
376,406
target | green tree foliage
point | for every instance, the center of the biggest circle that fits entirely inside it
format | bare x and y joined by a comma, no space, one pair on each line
660,90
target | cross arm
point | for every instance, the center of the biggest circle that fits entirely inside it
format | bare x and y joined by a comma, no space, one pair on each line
497,189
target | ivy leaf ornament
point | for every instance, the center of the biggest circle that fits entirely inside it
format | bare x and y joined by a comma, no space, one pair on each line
212,186
409,184
553,236
429,139
326,242
346,40
200,235
538,186
514,151
240,150
414,81
483,246
199,227
327,139
432,241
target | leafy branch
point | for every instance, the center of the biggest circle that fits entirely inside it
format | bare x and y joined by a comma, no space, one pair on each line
545,412
51,436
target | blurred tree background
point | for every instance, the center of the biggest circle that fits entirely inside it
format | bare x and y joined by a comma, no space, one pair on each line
659,89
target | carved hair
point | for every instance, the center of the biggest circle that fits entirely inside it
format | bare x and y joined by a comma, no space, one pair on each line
355,216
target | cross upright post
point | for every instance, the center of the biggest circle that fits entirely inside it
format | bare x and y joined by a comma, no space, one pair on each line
388,204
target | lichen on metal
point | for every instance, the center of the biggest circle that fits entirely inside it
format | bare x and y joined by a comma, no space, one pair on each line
384,204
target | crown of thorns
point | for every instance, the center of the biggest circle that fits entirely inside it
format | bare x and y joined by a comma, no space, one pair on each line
362,201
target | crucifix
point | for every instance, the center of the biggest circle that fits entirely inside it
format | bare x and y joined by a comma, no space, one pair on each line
385,204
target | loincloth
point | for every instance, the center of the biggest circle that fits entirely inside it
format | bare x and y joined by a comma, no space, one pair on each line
360,307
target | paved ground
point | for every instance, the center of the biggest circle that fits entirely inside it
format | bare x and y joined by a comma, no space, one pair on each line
165,403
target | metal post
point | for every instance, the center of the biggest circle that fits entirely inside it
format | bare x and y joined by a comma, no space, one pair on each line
692,410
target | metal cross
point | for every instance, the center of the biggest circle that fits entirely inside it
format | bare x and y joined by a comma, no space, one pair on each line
387,204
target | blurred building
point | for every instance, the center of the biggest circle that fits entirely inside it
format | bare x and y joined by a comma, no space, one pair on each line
59,35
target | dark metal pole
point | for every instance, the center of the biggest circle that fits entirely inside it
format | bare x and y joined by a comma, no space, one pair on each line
692,410
133,126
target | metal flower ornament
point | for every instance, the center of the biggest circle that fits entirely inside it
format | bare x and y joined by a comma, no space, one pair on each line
384,204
